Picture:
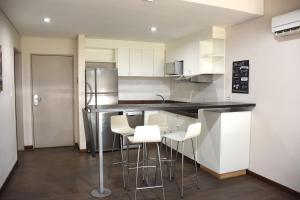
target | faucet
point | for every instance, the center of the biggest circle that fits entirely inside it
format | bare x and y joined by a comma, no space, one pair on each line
162,98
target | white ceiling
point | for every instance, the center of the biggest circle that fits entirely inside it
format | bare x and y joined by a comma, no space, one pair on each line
117,19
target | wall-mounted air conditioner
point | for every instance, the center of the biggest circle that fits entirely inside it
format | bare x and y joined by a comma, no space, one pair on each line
286,24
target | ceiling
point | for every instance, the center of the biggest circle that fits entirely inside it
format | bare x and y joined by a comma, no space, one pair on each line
116,19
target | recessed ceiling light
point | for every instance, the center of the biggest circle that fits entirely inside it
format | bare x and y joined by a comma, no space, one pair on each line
153,29
46,19
149,0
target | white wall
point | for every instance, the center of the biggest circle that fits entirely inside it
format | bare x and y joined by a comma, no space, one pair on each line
50,46
133,88
9,39
274,87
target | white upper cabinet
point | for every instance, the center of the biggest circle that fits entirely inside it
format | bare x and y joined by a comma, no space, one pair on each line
123,61
140,62
159,63
212,56
201,53
136,67
132,58
99,55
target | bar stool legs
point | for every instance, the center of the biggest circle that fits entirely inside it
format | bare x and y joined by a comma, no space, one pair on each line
112,154
137,173
182,161
195,163
161,175
161,185
182,165
123,161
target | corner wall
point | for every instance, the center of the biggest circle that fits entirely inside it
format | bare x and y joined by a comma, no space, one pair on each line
274,87
9,39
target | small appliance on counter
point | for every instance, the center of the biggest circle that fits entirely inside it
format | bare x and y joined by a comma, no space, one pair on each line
174,68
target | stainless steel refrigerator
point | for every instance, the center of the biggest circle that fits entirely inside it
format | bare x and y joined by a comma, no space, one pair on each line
101,88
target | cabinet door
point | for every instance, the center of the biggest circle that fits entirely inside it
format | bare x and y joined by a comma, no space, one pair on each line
159,63
123,61
147,62
135,62
141,62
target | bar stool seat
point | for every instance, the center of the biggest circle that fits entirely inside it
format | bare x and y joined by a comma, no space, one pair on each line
125,131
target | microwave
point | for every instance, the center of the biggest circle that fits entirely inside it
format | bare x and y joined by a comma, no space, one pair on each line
174,68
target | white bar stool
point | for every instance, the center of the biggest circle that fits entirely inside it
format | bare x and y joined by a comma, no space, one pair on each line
193,131
161,121
120,126
146,134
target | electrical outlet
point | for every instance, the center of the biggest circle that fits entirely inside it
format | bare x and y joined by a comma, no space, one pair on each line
228,97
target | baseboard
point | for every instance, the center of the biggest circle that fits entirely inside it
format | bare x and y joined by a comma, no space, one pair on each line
80,150
225,175
28,148
8,177
278,185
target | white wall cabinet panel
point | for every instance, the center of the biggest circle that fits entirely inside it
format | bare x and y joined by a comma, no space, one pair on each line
147,62
159,63
123,61
99,55
136,62
141,62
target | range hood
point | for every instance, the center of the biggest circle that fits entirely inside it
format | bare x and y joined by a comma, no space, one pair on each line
199,78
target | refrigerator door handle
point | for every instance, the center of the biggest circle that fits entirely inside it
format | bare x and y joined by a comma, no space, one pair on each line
90,94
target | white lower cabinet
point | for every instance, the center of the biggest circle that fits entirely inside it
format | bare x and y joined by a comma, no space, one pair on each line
224,144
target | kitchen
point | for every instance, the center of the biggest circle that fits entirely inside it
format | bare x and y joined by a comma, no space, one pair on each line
140,53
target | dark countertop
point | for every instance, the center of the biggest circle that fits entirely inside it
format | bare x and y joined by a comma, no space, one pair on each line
182,106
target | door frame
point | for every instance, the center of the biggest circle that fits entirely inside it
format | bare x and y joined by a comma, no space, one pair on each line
31,92
18,137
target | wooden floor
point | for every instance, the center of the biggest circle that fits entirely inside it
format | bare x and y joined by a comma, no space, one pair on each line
66,174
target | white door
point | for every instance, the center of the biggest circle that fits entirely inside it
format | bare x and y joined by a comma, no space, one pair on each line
52,96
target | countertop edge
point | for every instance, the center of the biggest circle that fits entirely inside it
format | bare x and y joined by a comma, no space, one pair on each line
166,107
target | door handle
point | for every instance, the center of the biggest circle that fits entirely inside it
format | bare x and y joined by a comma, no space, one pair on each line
36,100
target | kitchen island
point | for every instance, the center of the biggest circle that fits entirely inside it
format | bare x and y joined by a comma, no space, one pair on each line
170,107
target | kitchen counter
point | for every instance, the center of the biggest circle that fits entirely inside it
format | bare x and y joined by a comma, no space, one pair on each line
156,106
182,106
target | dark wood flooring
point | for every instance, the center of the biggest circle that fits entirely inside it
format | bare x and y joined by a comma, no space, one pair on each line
67,174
